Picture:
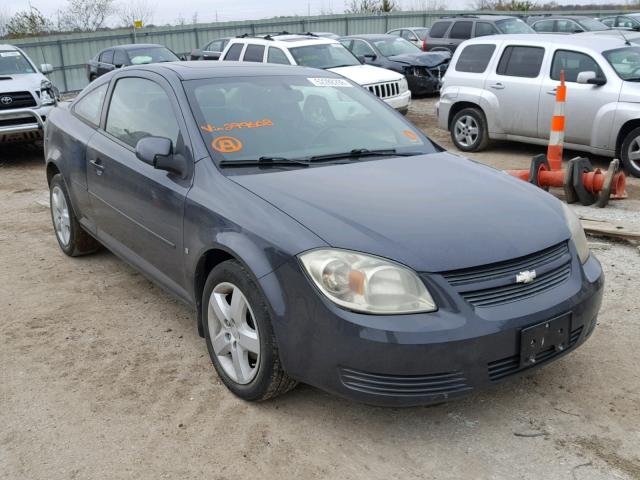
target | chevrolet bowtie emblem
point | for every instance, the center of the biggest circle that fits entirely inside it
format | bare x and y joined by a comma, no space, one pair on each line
526,276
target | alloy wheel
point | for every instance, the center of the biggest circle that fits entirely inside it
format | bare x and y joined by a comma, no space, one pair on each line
234,333
61,216
466,131
633,153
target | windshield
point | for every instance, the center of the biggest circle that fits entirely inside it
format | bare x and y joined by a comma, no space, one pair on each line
324,55
13,62
296,117
513,25
625,61
141,56
593,25
395,46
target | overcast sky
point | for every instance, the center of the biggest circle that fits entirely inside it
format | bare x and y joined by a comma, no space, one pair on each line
167,11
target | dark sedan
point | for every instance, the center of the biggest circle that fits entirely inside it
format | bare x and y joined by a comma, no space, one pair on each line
211,51
318,235
125,55
424,70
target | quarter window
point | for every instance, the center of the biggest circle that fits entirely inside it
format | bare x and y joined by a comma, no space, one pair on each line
234,52
140,108
521,62
545,26
254,53
276,55
408,35
484,28
568,26
89,107
475,58
395,32
215,46
609,22
573,63
106,56
439,29
461,30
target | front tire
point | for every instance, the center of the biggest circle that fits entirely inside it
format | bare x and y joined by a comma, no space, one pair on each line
239,335
469,130
630,152
72,238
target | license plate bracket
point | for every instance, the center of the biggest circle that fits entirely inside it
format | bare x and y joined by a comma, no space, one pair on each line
545,337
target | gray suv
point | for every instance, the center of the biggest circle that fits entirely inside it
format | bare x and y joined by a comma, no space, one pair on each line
449,32
504,88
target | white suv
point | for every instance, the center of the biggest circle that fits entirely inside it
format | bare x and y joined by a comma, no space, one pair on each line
26,96
312,51
504,87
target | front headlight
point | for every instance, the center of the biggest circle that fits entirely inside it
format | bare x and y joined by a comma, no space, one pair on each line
404,86
365,283
47,95
577,233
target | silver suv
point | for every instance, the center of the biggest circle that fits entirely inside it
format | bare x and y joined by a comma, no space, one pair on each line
26,96
503,87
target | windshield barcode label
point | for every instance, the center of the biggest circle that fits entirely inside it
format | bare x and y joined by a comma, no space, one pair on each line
329,82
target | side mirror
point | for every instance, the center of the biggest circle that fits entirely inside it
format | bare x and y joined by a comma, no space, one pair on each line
590,78
46,68
158,152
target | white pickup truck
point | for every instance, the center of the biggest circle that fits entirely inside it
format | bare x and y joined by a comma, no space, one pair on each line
26,96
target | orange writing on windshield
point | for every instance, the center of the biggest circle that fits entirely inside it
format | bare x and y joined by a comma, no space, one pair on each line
236,125
226,144
410,135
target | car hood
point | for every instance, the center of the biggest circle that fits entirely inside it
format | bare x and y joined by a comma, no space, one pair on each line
426,59
434,212
367,74
20,83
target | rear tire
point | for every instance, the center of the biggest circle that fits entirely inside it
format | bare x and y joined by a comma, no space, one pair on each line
72,238
239,335
630,152
469,130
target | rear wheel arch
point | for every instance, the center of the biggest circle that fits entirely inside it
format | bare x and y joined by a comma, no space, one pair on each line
457,107
52,170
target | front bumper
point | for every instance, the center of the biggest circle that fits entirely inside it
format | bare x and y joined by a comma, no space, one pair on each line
400,102
418,359
423,85
23,124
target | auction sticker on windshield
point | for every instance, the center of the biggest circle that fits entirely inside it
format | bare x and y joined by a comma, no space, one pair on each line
226,144
9,54
329,82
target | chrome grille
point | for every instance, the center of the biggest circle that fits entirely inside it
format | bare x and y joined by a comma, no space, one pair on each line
495,284
385,90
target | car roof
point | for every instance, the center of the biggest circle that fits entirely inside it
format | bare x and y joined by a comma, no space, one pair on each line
476,17
373,36
287,41
560,17
598,43
200,69
8,47
132,46
408,28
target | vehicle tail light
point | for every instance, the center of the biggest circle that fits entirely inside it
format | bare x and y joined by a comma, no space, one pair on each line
424,44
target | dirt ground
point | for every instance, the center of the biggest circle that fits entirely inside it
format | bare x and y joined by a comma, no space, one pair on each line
103,376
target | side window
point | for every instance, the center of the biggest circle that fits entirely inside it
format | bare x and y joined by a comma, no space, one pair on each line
625,22
484,28
119,58
106,56
408,35
140,108
395,32
461,30
609,22
573,63
568,26
361,48
521,62
89,107
254,53
276,55
475,58
544,26
439,29
234,52
215,46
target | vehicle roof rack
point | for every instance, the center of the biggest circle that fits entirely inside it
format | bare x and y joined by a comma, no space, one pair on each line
264,36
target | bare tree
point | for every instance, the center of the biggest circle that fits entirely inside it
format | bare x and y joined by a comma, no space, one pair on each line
133,10
85,15
427,5
372,6
28,22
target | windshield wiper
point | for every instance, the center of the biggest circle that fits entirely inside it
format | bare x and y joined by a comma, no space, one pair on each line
265,162
363,152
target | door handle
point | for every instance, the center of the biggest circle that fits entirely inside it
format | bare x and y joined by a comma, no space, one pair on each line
552,92
497,86
97,164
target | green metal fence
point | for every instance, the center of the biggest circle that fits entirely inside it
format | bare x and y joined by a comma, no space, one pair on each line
69,53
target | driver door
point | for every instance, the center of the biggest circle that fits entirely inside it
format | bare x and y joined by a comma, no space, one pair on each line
360,49
138,209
